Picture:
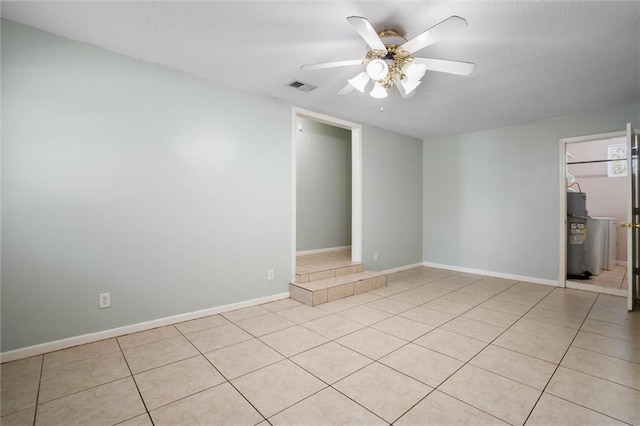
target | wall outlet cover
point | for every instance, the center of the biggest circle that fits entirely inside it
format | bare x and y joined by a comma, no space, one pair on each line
104,300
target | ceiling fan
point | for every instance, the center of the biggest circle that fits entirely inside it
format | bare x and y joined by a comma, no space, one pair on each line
389,60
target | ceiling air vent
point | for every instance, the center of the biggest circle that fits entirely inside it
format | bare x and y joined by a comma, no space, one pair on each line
302,86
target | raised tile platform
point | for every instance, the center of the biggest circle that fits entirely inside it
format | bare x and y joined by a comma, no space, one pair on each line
318,291
329,272
329,276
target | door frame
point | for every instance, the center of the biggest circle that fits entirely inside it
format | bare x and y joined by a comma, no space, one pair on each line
632,219
356,180
562,219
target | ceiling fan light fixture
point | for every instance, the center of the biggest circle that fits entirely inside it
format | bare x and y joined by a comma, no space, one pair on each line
389,60
377,69
378,92
413,71
408,85
360,81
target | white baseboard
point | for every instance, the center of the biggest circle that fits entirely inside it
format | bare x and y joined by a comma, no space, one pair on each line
322,250
534,280
621,262
402,268
596,289
133,328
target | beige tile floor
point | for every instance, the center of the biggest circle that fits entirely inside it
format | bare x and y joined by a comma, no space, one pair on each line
433,347
615,278
322,261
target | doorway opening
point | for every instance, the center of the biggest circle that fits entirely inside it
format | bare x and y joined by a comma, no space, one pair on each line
593,202
326,193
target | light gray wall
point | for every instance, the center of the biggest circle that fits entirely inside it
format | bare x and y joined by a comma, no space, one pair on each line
491,197
323,180
170,192
606,196
391,199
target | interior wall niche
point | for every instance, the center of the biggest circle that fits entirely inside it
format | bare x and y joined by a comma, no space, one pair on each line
323,186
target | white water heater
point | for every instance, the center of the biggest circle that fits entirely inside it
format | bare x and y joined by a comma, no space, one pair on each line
602,244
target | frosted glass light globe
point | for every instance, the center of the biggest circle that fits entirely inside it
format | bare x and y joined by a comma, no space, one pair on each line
377,69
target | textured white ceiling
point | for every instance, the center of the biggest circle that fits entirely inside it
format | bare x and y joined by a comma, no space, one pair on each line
534,60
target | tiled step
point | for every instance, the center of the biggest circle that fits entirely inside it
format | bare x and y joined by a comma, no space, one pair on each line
323,273
314,293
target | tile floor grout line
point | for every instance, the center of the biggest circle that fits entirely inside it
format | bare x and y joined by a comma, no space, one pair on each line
35,409
411,377
320,378
464,363
554,323
266,334
330,385
378,362
615,323
189,396
144,331
373,360
522,353
433,388
365,355
472,305
85,389
486,345
226,380
348,397
457,399
609,355
144,404
298,353
598,377
263,367
289,358
590,409
529,310
604,335
555,370
452,319
161,366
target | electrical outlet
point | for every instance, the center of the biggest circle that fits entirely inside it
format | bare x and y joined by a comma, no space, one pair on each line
375,257
271,274
104,300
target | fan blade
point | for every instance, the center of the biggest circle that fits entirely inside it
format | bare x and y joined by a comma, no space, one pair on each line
366,31
451,67
445,28
336,64
346,89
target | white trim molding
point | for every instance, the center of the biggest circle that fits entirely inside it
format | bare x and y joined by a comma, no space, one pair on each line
596,289
402,268
322,250
57,345
534,280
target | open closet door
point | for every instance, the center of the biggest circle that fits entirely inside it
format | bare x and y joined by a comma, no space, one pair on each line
633,218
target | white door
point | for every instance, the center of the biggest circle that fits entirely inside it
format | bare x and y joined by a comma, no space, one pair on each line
633,218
